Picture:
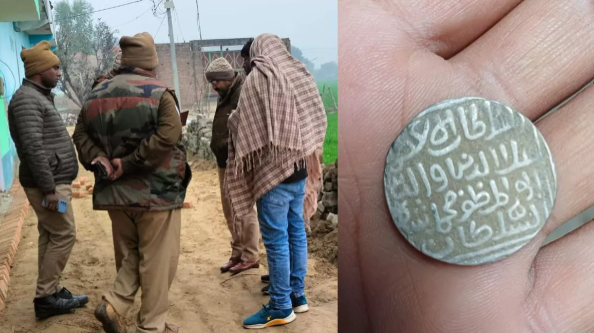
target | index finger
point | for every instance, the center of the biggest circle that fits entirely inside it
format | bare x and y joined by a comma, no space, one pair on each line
534,59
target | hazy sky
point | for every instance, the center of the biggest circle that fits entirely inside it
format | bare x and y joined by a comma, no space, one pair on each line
312,25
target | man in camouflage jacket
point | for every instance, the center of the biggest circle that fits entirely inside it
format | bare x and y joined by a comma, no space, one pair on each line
130,124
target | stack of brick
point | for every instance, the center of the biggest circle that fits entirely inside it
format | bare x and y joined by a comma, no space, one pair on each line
196,138
10,236
81,187
328,200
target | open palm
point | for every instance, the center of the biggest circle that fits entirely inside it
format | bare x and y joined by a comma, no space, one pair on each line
397,58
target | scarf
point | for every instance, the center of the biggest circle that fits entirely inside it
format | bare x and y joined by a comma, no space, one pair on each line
313,186
280,120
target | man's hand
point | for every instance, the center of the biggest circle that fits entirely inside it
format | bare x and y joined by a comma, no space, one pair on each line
51,202
118,170
399,57
106,164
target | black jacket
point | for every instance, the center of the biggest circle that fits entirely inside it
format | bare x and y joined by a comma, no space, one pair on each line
42,142
220,132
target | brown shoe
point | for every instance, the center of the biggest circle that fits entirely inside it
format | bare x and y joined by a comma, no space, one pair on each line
243,266
171,328
112,322
232,262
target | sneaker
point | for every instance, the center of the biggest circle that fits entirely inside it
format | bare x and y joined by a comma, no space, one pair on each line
66,294
299,304
266,289
53,305
268,317
265,278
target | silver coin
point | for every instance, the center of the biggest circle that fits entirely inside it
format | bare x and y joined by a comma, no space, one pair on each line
469,181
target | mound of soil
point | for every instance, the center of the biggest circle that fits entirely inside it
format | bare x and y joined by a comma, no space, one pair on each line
323,241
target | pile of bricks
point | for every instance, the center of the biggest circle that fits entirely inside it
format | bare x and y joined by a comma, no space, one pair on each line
81,187
328,204
196,138
10,235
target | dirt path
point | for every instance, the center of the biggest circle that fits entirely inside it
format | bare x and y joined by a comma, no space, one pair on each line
201,298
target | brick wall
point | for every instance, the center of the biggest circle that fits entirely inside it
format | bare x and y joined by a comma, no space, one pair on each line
190,71
191,63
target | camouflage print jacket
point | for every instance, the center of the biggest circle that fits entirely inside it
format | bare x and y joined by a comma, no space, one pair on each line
119,115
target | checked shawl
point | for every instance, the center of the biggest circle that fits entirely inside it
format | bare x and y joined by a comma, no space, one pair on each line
280,120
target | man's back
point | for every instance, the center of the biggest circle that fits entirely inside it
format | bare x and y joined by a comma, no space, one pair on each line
124,111
130,124
122,117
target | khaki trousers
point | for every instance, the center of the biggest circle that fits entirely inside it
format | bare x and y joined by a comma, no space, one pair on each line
148,243
245,233
57,234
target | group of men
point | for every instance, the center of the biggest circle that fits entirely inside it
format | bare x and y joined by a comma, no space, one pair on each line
268,132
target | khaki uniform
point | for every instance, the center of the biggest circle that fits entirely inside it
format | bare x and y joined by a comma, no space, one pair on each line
245,233
148,244
146,228
47,164
57,234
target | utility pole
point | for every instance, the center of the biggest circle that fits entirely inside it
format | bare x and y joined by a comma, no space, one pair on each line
198,18
169,6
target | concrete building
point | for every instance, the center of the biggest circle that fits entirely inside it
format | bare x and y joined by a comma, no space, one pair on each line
23,23
192,60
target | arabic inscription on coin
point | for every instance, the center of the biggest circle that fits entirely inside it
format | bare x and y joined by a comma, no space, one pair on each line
469,181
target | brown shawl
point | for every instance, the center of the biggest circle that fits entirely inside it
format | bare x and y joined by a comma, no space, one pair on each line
313,186
280,120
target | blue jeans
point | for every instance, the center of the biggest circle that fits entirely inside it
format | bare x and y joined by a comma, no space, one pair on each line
280,212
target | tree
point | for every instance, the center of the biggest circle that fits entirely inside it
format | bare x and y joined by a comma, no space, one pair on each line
85,49
327,72
298,54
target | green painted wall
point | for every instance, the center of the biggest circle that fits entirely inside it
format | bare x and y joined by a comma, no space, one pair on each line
12,71
4,133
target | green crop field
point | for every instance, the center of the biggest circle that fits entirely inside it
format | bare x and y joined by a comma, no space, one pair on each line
331,142
326,97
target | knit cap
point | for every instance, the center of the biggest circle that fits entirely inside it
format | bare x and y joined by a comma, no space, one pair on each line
139,51
220,70
39,58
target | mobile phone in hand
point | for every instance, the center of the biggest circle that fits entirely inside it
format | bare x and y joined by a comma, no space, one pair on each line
61,205
100,171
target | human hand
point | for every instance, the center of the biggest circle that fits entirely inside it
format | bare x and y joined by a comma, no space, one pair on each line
106,164
51,202
118,170
396,59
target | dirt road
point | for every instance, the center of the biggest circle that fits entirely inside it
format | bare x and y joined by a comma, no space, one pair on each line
201,299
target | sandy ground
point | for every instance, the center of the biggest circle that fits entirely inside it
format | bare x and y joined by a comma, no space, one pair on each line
201,299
